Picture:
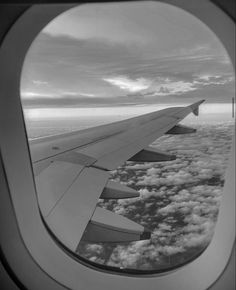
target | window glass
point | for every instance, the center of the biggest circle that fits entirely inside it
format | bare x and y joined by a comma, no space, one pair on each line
101,63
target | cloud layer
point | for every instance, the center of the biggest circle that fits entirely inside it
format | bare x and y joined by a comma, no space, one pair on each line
179,201
125,53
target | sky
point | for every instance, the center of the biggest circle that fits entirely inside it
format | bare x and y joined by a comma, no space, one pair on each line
124,56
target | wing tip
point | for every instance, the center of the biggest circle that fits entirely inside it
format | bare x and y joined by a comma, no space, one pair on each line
195,107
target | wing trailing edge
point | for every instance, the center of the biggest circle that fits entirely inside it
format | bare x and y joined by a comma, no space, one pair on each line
71,213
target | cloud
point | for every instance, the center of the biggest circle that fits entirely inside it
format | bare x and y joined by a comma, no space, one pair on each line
29,95
167,86
172,87
171,250
77,94
39,83
179,204
129,85
101,72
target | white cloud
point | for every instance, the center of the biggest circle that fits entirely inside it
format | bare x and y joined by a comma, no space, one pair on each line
39,83
213,79
137,166
127,84
169,87
177,203
68,93
33,95
165,86
171,250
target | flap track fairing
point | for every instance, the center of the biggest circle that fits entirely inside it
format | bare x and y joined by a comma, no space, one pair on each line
151,154
116,190
180,129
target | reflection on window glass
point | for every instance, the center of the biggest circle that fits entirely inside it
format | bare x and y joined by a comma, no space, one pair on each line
100,63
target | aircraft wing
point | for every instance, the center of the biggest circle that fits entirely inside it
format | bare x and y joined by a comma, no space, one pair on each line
71,174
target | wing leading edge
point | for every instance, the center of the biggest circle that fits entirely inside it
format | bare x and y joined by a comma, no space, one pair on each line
71,174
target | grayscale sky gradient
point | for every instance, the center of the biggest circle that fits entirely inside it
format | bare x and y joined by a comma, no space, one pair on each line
124,54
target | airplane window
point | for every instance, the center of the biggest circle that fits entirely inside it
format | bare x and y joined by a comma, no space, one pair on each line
101,63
